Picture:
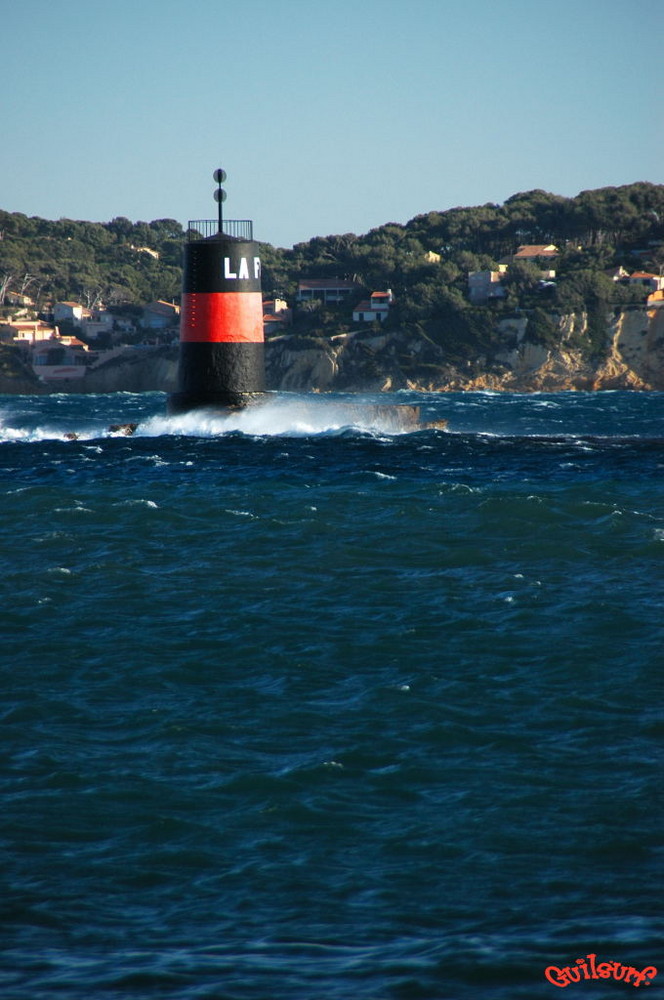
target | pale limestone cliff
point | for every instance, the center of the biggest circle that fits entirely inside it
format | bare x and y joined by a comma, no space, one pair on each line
636,349
632,358
374,361
292,369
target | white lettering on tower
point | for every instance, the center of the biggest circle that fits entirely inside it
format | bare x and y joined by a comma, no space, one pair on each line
243,269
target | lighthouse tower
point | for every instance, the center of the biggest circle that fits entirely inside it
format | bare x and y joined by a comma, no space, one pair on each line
222,364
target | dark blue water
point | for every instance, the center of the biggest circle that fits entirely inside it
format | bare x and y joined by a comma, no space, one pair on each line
294,710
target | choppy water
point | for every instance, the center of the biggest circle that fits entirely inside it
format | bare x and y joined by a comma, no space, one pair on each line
299,711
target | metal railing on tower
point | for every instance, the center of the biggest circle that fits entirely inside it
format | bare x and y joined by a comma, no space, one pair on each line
205,229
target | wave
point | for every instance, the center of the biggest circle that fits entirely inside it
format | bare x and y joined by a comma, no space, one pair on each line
279,417
583,419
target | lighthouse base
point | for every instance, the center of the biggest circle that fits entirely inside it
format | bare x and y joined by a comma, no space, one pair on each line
220,402
388,417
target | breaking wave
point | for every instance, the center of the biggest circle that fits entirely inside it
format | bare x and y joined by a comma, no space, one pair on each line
282,416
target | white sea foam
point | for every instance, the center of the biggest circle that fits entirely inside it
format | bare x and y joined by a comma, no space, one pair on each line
45,433
136,503
277,417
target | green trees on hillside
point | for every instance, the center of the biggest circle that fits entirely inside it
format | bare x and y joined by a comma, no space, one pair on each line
90,261
593,232
425,262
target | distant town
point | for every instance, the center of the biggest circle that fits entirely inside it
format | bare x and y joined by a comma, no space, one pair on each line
67,339
466,287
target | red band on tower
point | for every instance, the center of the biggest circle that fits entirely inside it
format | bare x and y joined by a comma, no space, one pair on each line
222,317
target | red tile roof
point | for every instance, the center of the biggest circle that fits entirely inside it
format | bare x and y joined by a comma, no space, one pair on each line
536,250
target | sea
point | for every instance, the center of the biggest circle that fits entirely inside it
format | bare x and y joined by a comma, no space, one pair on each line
298,707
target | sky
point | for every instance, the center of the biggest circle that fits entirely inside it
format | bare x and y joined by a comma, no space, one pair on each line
328,117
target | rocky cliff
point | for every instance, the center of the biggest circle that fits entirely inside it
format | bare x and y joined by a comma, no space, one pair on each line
142,370
632,357
146,369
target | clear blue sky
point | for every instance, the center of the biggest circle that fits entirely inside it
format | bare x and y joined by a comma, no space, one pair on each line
328,117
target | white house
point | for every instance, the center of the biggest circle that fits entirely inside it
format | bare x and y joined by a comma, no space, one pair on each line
374,309
330,290
72,311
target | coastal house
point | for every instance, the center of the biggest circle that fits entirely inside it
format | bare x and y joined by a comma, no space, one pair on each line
540,254
95,323
73,342
69,311
60,359
160,315
653,282
276,306
26,332
486,285
331,291
18,299
276,315
536,252
374,309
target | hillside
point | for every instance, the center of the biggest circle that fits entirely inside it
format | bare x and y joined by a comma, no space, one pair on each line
434,335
